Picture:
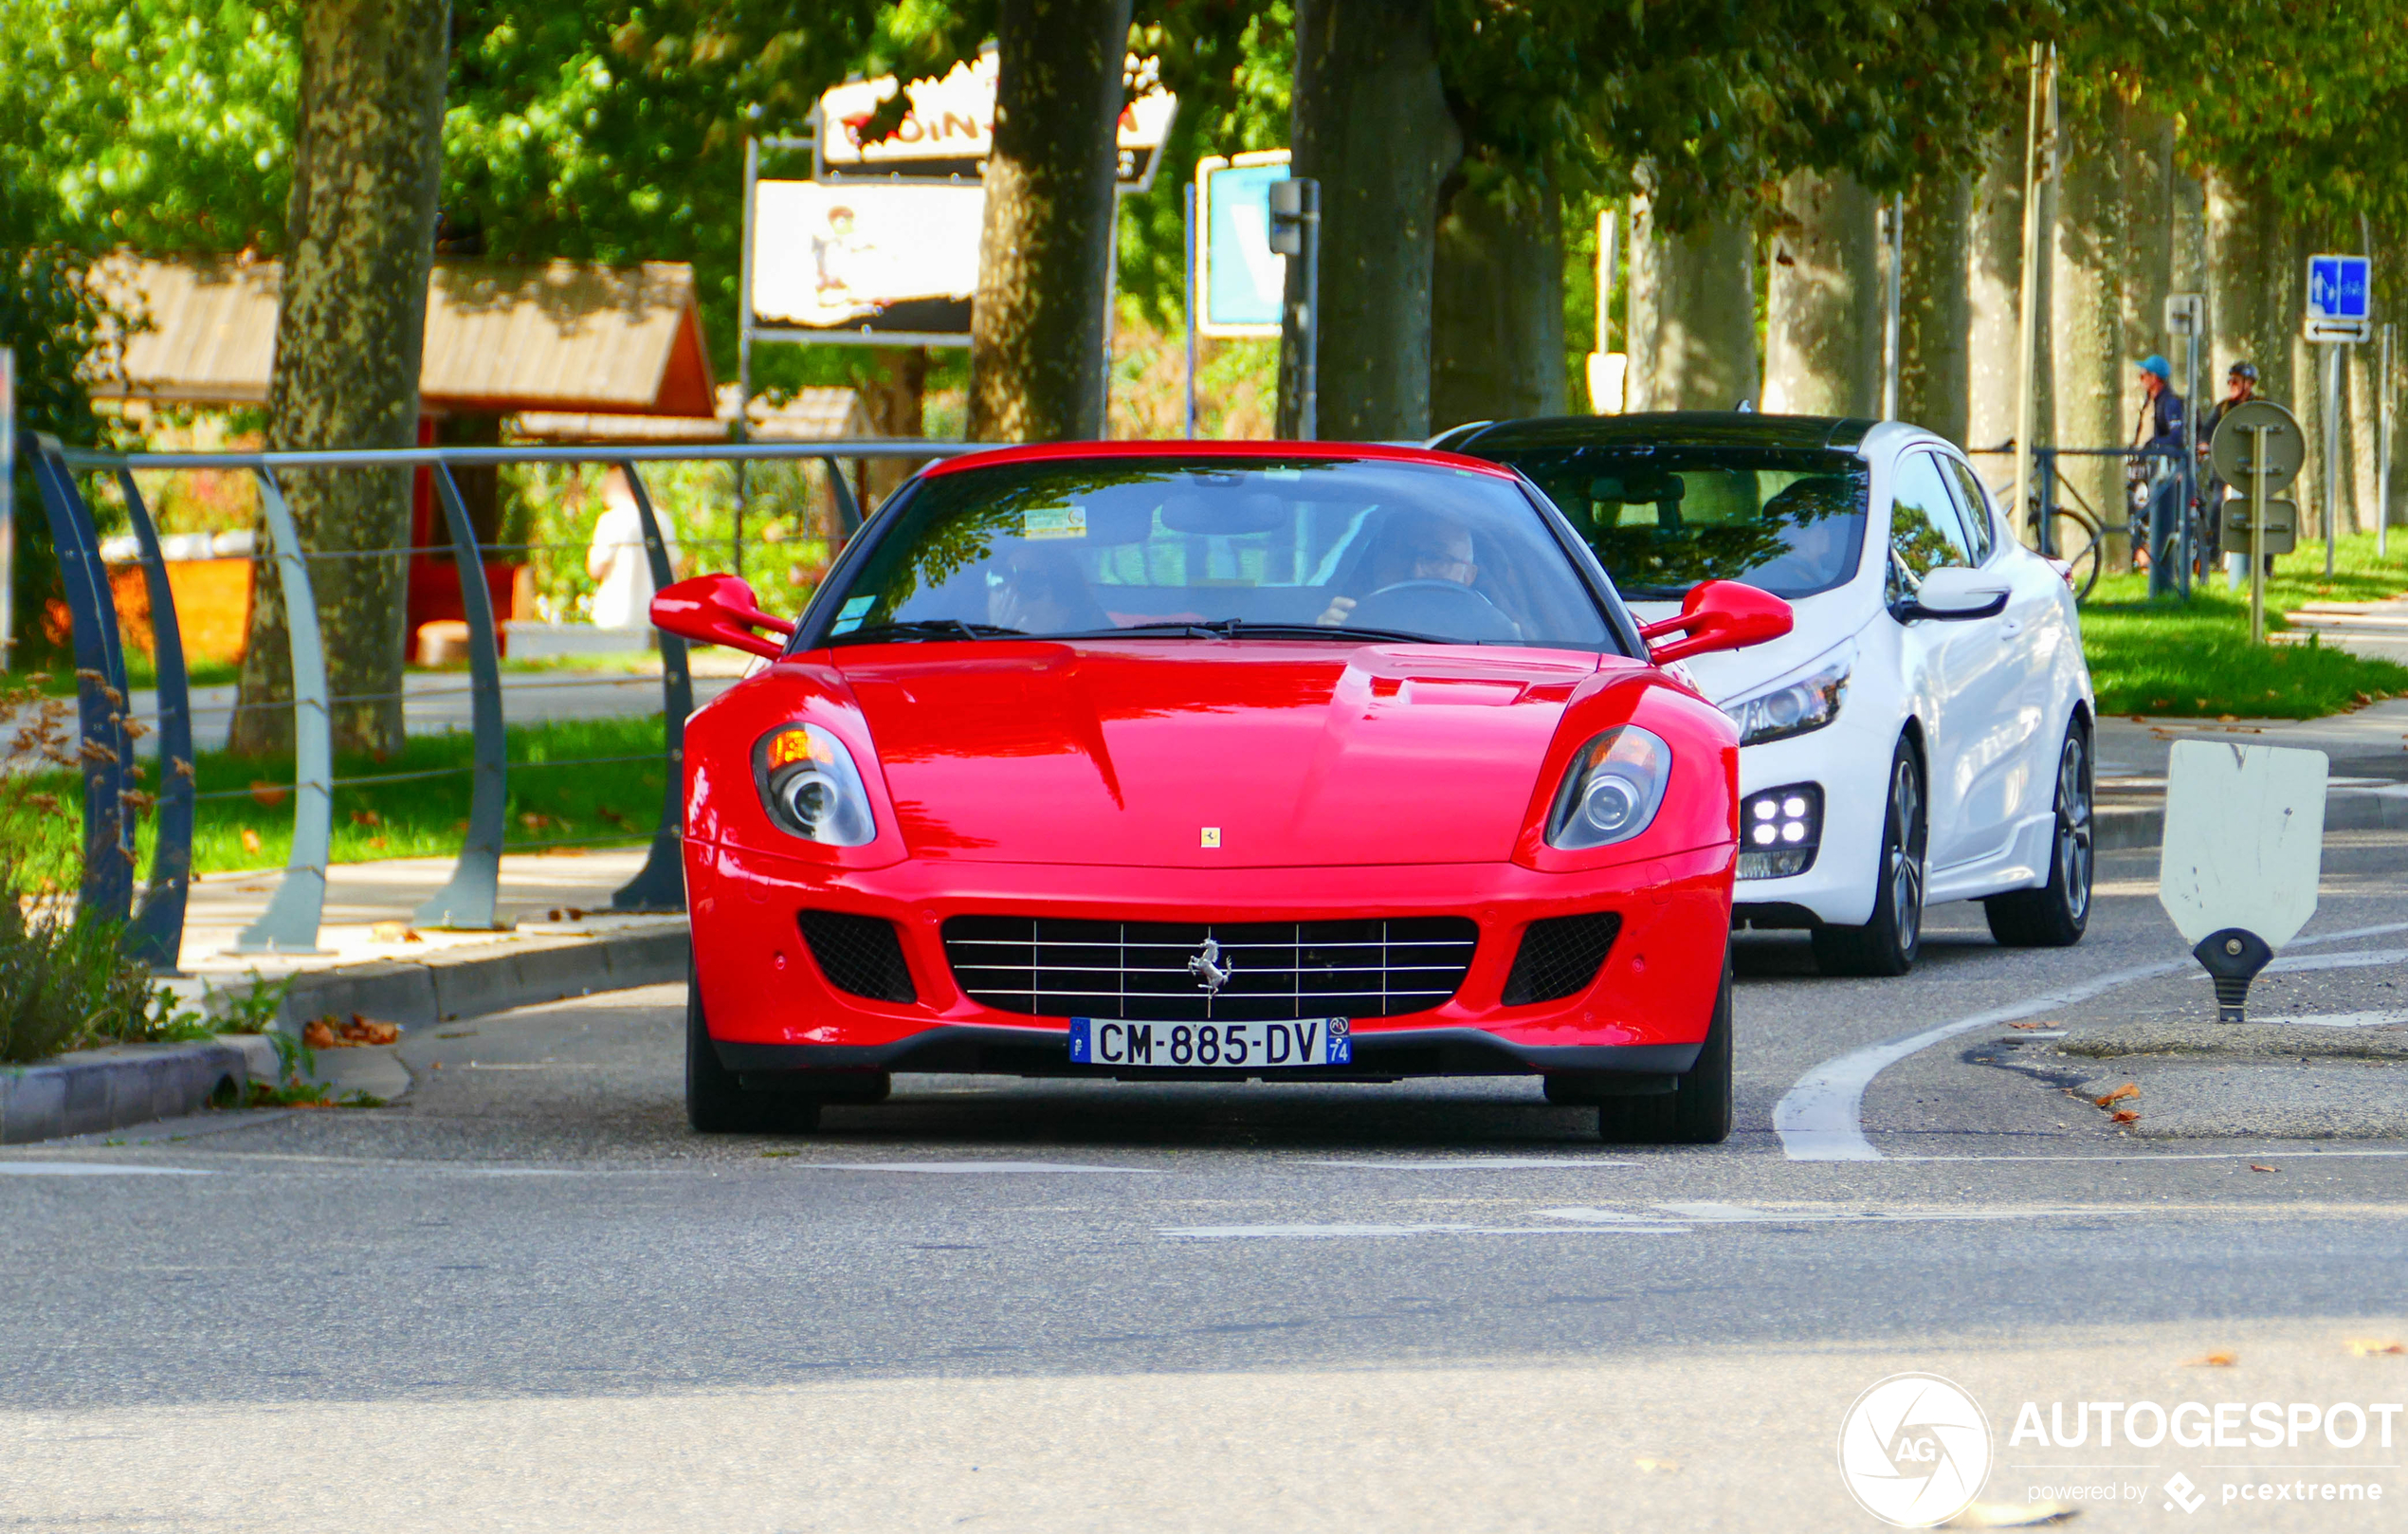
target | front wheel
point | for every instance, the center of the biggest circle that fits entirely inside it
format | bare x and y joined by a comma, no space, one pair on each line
2055,915
1888,944
1698,1110
716,1101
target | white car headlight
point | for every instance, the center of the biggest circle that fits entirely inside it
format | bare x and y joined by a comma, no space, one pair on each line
1611,790
1792,709
810,788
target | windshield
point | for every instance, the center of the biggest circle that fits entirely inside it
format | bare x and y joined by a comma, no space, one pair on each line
1664,519
1286,550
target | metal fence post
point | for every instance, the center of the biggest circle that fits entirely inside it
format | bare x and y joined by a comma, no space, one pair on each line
2046,459
467,903
290,925
104,748
156,935
660,886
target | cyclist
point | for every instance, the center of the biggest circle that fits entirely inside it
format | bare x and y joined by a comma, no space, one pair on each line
2240,387
2159,432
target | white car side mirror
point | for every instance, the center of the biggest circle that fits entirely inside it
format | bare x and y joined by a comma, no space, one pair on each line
1955,594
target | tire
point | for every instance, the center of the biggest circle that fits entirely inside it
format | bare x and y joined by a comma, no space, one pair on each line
2055,915
1695,1112
1887,945
717,1103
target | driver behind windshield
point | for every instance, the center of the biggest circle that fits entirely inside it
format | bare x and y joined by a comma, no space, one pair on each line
1415,545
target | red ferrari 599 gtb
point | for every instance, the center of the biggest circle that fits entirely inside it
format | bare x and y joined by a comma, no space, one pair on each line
1213,761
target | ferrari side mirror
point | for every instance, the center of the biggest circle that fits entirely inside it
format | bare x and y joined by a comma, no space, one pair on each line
1718,614
718,610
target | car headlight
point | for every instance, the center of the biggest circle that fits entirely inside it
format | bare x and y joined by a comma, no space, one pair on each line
811,787
1611,790
1793,709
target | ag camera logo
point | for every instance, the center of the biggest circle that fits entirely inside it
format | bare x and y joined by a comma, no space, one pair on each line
1914,1449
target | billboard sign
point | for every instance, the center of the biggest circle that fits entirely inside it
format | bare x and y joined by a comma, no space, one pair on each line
1242,282
949,126
867,258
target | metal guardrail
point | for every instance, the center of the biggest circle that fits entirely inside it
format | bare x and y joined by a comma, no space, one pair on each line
112,802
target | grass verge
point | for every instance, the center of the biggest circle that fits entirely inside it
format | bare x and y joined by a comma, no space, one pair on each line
561,799
2169,657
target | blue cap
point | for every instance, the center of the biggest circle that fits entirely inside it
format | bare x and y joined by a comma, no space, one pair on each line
2159,365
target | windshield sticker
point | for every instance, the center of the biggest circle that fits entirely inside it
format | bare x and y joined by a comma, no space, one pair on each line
849,616
1054,521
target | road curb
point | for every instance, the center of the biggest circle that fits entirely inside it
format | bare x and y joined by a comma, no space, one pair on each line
93,1090
2138,828
469,983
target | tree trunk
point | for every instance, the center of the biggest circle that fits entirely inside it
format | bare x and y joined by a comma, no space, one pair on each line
2088,263
1036,329
1371,126
1691,307
1994,300
1496,320
1936,308
1823,300
896,403
350,330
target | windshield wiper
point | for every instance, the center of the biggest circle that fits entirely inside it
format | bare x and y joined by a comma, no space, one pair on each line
924,629
1250,629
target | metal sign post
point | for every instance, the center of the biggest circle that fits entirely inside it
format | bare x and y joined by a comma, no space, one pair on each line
2328,468
2257,444
2185,313
2382,451
1186,205
8,503
1296,231
1892,350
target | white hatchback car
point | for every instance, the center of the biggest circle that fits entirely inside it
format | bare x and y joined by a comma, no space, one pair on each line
1923,733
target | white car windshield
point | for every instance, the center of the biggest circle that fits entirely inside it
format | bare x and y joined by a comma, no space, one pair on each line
1663,519
1306,549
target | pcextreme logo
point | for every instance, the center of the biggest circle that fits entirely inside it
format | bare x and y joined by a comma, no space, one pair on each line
1914,1449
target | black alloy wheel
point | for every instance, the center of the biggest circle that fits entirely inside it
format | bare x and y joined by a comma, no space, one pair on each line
1887,945
2056,914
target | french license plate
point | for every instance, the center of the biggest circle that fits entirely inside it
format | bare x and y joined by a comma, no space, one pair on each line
1310,1041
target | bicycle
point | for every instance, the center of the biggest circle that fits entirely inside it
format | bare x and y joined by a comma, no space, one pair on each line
2074,539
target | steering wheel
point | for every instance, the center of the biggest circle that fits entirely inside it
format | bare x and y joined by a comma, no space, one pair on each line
1443,608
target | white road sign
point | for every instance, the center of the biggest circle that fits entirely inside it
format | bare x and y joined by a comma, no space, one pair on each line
2244,839
1241,280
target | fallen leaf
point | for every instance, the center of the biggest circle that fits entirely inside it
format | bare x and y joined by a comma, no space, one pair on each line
2228,718
2255,1167
2029,1026
250,840
2212,1361
267,793
2366,1348
393,932
376,843
2160,702
2012,1515
532,821
565,913
2127,1090
1658,1467
2124,1116
365,818
318,1035
2139,719
2362,698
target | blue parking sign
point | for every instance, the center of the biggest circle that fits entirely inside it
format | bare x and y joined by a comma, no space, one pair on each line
2339,288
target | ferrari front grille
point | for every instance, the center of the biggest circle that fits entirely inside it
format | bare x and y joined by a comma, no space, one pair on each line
1559,957
1048,966
859,954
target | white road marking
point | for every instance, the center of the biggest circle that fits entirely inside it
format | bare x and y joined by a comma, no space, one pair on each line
95,1169
1821,1118
1336,1233
974,1167
2341,1019
1479,1163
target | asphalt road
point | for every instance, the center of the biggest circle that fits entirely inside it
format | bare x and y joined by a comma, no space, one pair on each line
524,1297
